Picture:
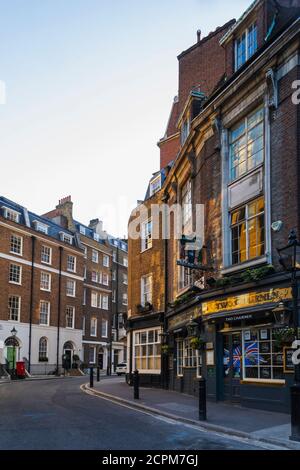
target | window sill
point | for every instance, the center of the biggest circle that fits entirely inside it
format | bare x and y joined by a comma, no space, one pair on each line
17,254
145,250
45,290
245,265
15,283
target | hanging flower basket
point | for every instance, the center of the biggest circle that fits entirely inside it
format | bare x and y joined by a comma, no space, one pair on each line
166,349
197,343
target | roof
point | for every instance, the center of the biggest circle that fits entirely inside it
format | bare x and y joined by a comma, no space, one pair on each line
28,219
93,235
239,21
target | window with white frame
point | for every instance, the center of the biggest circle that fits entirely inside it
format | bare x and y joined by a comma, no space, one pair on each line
155,185
94,299
199,364
83,325
146,290
84,273
43,349
71,263
45,281
105,279
189,355
44,312
95,256
104,302
248,232
185,278
66,238
95,276
82,230
71,288
124,298
16,244
85,252
246,46
11,215
84,297
115,257
125,262
186,201
146,234
125,279
92,354
40,227
114,275
93,331
185,130
14,308
104,328
114,295
246,144
70,317
147,350
15,274
179,347
96,236
46,254
106,261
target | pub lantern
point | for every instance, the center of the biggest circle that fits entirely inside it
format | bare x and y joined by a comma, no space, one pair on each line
282,315
192,328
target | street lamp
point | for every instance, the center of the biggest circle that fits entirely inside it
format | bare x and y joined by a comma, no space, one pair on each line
192,327
282,315
289,258
14,334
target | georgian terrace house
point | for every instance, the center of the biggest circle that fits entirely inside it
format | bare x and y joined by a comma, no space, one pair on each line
41,285
238,158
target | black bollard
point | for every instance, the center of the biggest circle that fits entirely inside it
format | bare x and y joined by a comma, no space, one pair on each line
136,384
98,374
92,377
202,399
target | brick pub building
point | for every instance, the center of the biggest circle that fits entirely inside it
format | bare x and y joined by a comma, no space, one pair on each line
231,145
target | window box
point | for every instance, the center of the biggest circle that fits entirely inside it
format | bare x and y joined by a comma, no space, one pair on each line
197,343
144,308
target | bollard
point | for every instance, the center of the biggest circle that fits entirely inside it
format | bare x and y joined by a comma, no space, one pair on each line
202,400
92,377
98,374
136,385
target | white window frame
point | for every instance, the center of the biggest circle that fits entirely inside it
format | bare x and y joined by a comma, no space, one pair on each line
104,328
84,296
105,261
104,279
65,237
69,292
94,300
105,302
47,313
94,358
146,294
140,345
44,253
146,235
125,279
186,202
125,261
11,214
42,281
247,55
18,283
46,352
124,299
20,253
19,308
40,227
73,317
95,256
155,185
71,267
93,327
82,230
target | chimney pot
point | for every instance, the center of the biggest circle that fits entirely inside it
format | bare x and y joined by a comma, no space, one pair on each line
199,35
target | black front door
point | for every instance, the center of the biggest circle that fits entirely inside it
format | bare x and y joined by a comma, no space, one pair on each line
100,360
232,366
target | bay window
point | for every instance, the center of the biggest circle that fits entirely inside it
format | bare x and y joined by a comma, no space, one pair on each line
147,350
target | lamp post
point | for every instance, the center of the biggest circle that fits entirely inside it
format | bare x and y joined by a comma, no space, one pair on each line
290,260
14,334
164,337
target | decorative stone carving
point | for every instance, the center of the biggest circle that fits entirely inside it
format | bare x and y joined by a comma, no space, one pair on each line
272,90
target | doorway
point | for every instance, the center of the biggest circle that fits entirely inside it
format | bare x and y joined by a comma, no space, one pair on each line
68,355
12,352
232,366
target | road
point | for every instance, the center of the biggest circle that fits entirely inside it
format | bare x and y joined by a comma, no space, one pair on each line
56,414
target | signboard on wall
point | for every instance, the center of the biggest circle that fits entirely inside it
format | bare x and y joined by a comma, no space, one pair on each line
246,300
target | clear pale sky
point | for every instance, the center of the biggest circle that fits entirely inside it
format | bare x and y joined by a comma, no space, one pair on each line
89,87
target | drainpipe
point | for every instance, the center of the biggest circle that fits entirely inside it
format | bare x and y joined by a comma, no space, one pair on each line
59,309
33,239
166,275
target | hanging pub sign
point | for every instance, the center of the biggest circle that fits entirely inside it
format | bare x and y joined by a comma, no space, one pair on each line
190,256
246,300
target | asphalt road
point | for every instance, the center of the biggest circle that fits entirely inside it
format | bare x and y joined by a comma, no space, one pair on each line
56,414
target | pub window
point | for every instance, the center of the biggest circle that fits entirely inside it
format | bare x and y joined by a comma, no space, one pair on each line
189,356
147,350
248,232
199,363
246,144
262,355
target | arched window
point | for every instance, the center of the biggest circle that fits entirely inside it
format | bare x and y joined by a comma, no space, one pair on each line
43,350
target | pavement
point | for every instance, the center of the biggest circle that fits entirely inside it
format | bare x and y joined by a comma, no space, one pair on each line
57,415
257,425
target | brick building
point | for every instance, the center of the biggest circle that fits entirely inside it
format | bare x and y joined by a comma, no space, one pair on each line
41,285
231,145
104,301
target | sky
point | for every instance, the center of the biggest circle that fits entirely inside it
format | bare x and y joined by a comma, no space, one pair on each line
88,89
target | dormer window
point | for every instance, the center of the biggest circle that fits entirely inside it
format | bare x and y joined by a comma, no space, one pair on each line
155,185
66,238
82,230
246,46
10,214
40,227
96,237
